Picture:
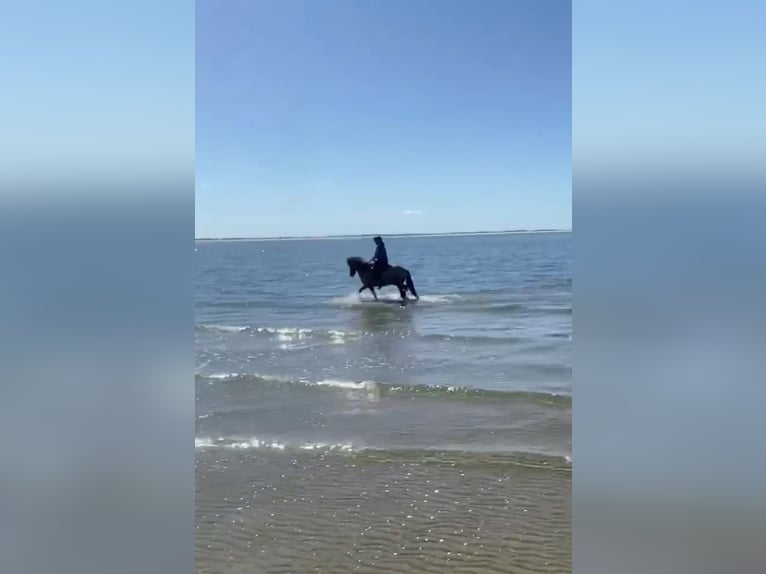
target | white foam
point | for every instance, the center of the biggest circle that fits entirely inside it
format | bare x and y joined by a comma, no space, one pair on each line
222,376
282,333
327,446
338,337
245,377
349,385
237,443
295,334
439,298
254,443
257,443
355,299
370,388
351,299
225,328
284,330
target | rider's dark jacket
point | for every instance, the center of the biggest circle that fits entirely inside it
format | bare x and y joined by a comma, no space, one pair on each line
381,257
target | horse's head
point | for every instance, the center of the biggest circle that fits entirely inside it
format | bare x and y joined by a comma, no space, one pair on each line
354,265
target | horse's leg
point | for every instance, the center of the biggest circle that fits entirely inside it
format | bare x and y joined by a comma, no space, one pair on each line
372,290
367,284
403,293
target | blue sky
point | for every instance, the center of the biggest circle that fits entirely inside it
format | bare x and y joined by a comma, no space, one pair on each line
382,116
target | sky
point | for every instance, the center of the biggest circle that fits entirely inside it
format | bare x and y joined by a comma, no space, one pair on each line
382,116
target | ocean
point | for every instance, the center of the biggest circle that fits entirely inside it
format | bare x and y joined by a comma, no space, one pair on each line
339,434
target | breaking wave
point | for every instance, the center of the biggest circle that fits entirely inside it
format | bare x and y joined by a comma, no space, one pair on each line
378,389
372,454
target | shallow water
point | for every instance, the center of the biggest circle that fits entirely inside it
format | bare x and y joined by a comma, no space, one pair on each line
325,420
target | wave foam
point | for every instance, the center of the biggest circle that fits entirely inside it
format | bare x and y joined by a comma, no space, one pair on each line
222,328
355,299
442,455
245,377
348,385
223,376
255,443
375,390
282,334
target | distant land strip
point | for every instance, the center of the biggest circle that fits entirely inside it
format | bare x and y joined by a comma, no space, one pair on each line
387,235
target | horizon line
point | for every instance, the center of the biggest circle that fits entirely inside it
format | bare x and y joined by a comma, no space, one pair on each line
394,235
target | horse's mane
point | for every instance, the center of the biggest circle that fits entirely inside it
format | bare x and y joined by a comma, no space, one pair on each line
355,261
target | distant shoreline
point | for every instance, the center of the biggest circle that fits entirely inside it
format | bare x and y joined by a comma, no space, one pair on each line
391,235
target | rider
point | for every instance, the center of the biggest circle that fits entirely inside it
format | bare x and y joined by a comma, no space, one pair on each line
379,261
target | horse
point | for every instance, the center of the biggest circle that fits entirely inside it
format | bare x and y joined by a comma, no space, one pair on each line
398,276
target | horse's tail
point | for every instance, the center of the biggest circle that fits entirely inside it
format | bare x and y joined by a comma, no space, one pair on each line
411,285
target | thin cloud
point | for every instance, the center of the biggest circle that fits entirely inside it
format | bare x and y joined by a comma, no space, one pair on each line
412,212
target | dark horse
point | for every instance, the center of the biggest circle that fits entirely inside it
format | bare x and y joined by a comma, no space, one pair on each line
398,276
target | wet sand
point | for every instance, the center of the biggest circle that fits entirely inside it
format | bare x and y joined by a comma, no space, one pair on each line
281,511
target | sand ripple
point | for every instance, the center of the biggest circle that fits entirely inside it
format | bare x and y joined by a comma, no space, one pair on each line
277,512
